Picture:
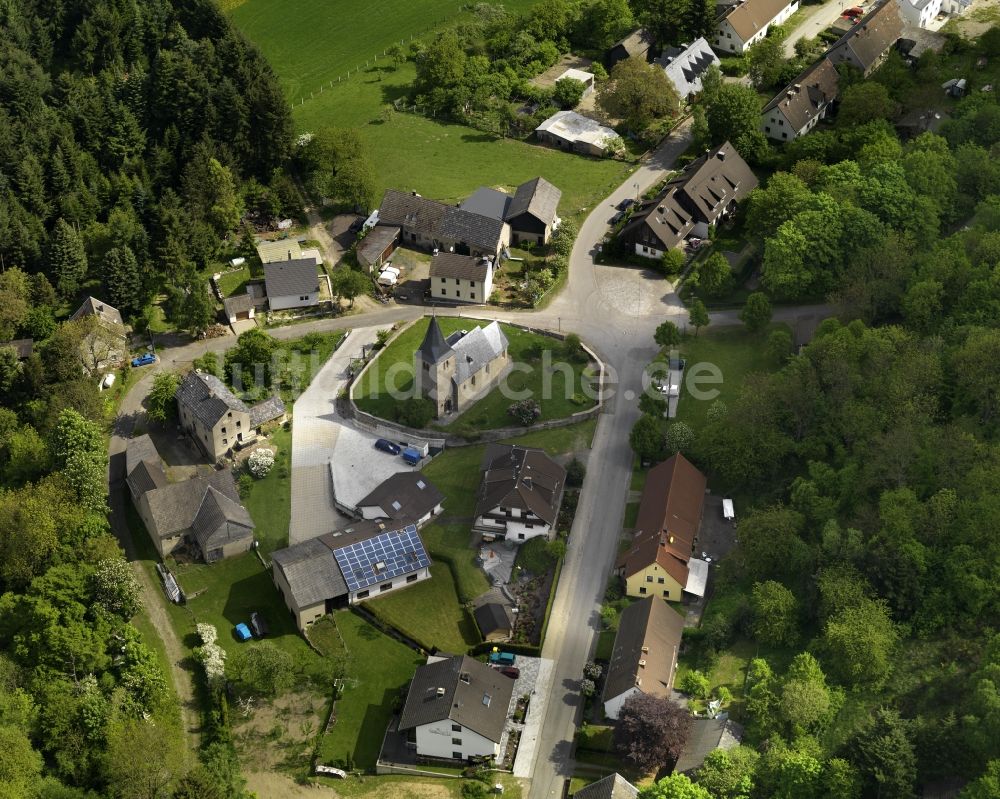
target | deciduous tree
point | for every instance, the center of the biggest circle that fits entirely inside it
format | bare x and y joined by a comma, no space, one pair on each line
650,731
637,93
698,316
161,402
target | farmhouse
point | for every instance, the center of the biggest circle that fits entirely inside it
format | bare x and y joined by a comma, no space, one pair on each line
433,225
706,192
586,78
461,278
204,511
105,342
519,494
614,786
493,620
684,66
670,511
644,658
569,130
377,247
291,284
747,22
532,213
922,13
216,418
457,708
281,250
336,569
456,371
867,44
804,102
705,736
405,495
638,43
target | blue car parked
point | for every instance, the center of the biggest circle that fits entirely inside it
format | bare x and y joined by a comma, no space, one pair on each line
387,446
144,360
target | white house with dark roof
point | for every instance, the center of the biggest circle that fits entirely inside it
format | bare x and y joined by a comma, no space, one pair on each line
291,284
519,494
457,708
203,510
746,22
866,45
684,66
461,278
533,212
216,418
405,495
802,103
455,371
370,558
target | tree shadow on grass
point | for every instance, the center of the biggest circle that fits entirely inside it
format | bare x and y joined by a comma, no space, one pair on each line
372,731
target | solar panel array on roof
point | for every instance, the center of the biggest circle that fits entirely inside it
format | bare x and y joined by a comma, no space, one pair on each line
381,558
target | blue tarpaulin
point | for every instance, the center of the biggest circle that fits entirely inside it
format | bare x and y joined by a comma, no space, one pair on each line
242,632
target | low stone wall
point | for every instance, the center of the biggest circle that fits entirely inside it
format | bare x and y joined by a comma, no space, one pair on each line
347,408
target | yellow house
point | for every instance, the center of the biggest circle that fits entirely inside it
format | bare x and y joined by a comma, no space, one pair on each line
670,513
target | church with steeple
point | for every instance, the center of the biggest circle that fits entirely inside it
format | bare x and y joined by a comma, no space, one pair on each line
455,371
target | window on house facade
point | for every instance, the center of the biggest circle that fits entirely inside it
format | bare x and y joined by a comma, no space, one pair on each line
223,430
457,756
666,594
458,282
659,580
225,441
230,414
649,578
784,135
456,727
458,293
385,587
362,594
767,128
456,741
411,578
472,284
444,293
642,589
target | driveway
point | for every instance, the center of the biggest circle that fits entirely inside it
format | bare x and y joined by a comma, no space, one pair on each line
818,21
315,424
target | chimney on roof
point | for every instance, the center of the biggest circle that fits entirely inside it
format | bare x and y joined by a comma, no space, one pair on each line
721,155
464,677
440,691
289,255
528,483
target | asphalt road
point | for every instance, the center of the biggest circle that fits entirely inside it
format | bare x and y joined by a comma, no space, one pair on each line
615,310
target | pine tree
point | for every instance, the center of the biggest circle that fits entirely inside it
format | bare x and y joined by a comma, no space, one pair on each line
122,280
67,258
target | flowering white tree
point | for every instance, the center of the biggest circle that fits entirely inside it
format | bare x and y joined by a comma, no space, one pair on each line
116,589
260,462
211,655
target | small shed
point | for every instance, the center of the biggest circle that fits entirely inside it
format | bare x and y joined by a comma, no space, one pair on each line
586,78
376,248
494,622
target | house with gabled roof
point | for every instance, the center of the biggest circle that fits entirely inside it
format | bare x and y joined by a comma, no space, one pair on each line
368,559
291,283
404,495
461,278
705,193
105,343
457,708
704,737
638,43
204,510
569,130
684,66
533,212
659,562
866,45
747,22
455,371
614,786
519,495
797,108
217,419
644,658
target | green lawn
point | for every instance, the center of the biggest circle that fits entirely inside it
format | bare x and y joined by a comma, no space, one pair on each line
631,514
735,353
379,668
451,542
234,282
270,499
430,613
305,357
548,385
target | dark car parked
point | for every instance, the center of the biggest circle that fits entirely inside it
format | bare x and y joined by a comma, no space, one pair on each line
388,446
625,204
258,625
511,671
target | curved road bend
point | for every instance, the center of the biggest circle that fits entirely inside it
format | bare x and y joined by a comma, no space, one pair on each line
615,311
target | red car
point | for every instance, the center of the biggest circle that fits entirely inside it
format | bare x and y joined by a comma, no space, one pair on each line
511,671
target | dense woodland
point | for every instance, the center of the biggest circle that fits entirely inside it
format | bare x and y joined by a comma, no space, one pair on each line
866,576
134,137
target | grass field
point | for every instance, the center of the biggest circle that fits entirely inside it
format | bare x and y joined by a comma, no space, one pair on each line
270,499
735,353
379,667
547,385
311,44
430,613
451,542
